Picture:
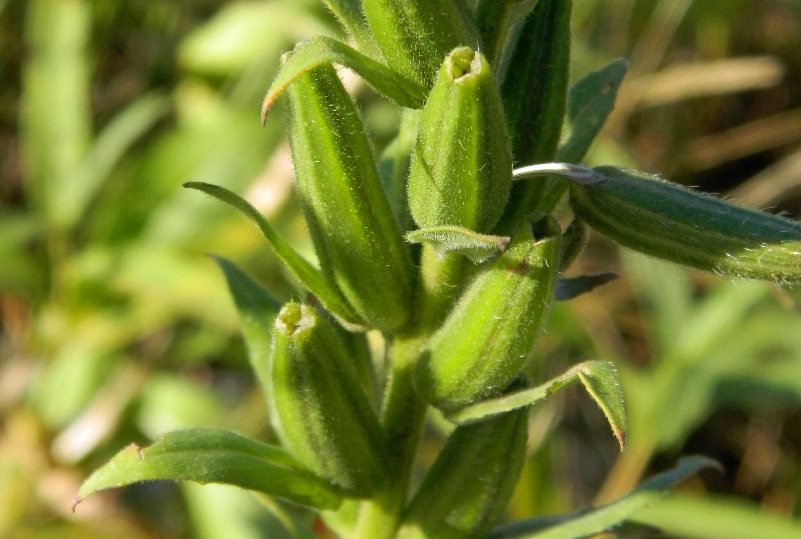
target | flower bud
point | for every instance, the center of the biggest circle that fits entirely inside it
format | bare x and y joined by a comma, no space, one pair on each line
322,411
461,169
666,220
415,35
356,237
470,483
485,341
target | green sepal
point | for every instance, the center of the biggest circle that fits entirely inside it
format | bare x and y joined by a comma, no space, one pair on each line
534,89
257,312
485,341
206,455
322,411
656,217
452,239
574,239
415,35
307,274
599,378
350,14
461,169
321,51
355,234
466,490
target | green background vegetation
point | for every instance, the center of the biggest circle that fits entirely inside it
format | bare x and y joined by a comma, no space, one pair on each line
115,326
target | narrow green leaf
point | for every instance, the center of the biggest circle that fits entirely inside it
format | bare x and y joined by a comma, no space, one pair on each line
598,377
589,522
206,455
257,312
325,50
109,147
453,239
534,90
307,274
492,19
394,167
573,287
589,103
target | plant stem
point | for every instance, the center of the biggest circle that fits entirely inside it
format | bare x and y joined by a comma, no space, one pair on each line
404,411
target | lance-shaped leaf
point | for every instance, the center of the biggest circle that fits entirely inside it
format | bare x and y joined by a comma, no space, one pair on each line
534,91
492,19
453,239
307,274
663,219
589,103
573,287
599,378
257,312
206,455
325,51
349,12
588,522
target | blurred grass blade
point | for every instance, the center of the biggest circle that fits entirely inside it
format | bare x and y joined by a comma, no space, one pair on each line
453,239
589,103
122,132
534,91
206,455
310,276
325,50
589,522
598,377
567,289
693,517
257,312
55,114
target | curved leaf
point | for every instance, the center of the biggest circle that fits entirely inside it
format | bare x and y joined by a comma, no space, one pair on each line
325,50
206,455
599,378
453,239
307,274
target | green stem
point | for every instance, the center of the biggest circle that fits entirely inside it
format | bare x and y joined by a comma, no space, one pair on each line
404,411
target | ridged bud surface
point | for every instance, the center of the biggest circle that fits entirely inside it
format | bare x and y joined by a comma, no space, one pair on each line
461,169
470,483
356,237
415,35
322,410
663,219
485,341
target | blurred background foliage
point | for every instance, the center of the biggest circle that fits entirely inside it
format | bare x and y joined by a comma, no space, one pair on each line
115,326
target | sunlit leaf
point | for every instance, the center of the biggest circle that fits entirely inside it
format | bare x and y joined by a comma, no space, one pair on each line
206,455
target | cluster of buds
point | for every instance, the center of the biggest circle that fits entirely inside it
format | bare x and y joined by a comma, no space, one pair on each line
460,315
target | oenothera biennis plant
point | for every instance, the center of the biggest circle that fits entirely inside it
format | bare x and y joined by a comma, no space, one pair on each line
455,257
